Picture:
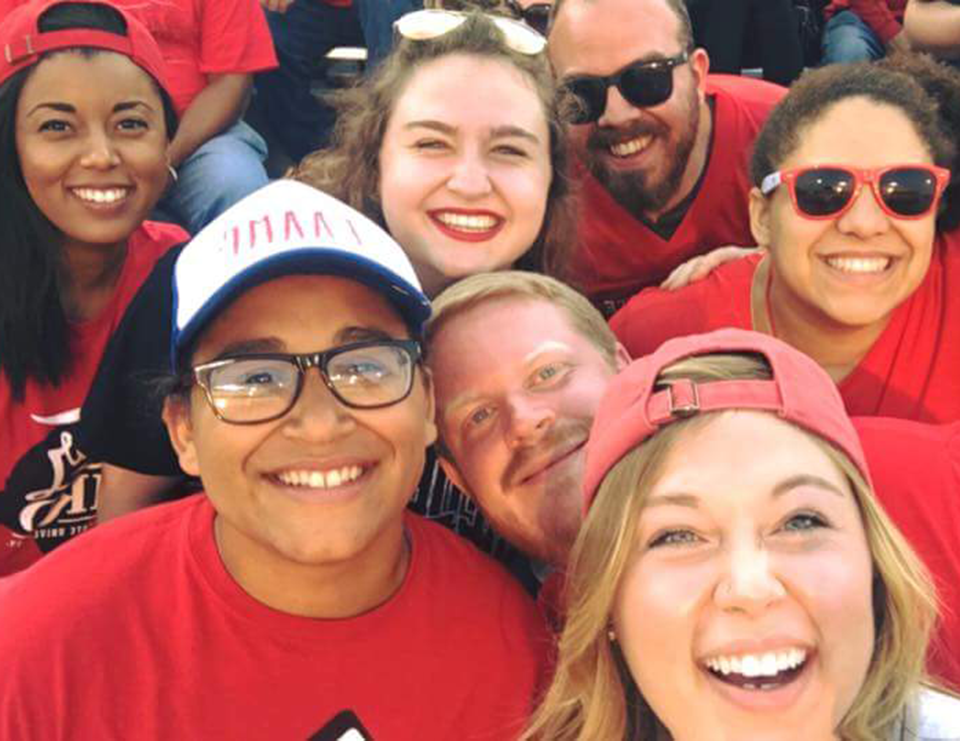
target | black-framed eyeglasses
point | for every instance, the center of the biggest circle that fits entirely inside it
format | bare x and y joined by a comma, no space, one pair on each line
261,387
643,84
536,15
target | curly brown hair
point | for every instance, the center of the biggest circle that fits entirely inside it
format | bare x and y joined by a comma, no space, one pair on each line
350,168
927,92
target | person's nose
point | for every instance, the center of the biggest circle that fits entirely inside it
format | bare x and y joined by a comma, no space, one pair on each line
865,217
618,112
748,583
99,152
470,178
317,415
527,421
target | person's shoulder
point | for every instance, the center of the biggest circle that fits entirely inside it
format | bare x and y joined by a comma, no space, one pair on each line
932,715
94,570
758,96
890,439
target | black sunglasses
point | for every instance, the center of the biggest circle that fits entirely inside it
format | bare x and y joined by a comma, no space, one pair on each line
642,84
537,15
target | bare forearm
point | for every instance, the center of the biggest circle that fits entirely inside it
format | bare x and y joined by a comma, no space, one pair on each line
934,27
215,109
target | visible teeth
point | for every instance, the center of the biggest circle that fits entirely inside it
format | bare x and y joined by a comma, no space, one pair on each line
110,195
625,149
859,264
319,479
767,664
469,223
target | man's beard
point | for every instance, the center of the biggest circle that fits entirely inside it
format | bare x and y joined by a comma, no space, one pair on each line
636,190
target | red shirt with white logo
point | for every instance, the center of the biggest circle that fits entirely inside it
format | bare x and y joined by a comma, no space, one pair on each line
48,488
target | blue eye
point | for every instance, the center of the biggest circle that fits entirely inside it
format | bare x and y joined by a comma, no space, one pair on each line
479,416
804,521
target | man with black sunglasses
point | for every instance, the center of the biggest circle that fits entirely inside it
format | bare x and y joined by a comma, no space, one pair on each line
662,146
295,598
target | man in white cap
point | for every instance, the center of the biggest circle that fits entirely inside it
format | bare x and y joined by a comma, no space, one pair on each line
295,598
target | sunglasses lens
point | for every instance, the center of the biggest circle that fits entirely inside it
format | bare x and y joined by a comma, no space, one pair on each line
645,86
909,191
590,98
538,16
823,191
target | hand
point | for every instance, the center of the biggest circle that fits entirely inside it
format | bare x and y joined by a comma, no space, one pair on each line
899,43
277,6
699,267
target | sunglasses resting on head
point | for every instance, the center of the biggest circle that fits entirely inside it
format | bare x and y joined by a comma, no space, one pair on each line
432,23
827,191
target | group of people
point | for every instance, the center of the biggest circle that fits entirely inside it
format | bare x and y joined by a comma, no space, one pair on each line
679,349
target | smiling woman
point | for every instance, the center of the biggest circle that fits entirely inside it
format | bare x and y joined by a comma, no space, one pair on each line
859,271
771,593
84,127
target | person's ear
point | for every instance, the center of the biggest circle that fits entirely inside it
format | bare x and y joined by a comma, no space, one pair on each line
431,411
176,417
451,470
621,358
700,65
759,206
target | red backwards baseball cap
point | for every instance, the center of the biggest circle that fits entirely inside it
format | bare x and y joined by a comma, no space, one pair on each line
633,408
22,42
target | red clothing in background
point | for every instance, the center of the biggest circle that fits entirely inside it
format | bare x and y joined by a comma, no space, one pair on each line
617,255
48,488
137,630
916,475
885,17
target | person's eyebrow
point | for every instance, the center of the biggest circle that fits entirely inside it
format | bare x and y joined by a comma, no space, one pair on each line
503,132
128,105
362,334
806,479
440,126
54,106
678,499
250,347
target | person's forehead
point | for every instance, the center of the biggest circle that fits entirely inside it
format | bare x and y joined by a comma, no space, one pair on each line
600,36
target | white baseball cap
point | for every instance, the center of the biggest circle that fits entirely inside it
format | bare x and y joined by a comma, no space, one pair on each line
287,228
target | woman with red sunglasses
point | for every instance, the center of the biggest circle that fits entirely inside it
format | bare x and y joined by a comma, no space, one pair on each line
852,208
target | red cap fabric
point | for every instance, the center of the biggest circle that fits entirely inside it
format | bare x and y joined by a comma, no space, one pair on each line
22,43
633,410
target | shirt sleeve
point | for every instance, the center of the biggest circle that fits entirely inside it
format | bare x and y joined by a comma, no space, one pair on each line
878,15
120,421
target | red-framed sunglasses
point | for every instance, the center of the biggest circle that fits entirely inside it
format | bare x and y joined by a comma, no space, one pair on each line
828,191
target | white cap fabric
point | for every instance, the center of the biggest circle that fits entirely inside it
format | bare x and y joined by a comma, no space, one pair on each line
287,228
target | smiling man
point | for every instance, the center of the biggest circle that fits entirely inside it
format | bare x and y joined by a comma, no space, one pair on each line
661,145
295,598
513,425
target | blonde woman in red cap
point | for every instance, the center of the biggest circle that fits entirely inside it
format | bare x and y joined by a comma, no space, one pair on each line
735,577
84,126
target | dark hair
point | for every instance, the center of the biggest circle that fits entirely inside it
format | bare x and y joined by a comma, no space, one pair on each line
35,337
350,169
927,92
679,8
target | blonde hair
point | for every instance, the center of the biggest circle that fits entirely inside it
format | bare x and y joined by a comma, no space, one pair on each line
477,289
593,695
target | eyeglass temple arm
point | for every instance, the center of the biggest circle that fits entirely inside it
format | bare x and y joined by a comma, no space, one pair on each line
770,183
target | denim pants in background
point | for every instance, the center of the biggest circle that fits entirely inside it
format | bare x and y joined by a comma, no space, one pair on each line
846,38
221,172
303,35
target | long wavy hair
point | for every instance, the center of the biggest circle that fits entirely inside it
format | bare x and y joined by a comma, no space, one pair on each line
593,696
350,168
35,337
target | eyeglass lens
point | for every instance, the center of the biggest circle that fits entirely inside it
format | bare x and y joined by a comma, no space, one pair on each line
253,389
825,191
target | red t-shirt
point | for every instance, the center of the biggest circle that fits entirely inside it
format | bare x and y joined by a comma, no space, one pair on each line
619,255
200,38
48,489
911,372
138,629
916,475
884,17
